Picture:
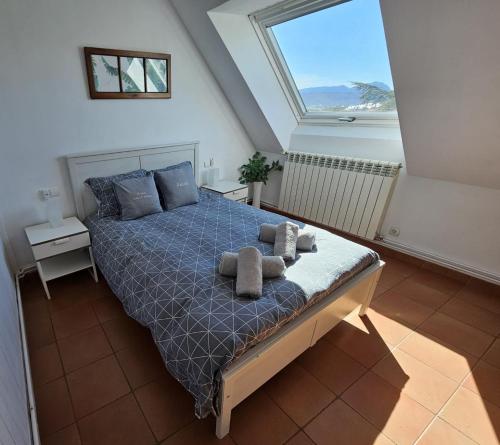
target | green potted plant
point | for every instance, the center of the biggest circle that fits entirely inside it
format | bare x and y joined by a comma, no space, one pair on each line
257,172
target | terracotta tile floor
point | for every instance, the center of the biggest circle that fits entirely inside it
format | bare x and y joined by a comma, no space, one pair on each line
422,366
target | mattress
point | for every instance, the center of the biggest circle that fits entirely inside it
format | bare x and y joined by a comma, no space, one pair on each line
163,268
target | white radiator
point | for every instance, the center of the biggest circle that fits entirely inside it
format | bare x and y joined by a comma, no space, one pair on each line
347,194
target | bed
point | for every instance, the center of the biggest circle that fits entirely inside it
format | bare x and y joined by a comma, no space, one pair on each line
163,268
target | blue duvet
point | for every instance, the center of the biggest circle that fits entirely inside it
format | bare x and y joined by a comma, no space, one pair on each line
163,268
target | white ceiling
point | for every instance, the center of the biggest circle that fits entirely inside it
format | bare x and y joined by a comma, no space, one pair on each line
445,58
193,14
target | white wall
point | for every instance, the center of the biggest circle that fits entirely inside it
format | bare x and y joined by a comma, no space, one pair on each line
361,142
271,191
14,420
449,221
45,112
456,222
241,41
194,15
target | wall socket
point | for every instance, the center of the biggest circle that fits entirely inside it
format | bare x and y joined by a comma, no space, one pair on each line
48,192
394,231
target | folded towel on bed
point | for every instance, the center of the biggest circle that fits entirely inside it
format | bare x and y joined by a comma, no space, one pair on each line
272,266
306,239
285,242
249,273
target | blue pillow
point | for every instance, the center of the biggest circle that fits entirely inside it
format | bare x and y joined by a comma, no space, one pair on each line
177,185
173,167
137,197
164,169
107,204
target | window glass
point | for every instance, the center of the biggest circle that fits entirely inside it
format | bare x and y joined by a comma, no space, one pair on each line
337,58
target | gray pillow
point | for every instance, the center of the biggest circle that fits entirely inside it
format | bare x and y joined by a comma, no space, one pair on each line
177,185
164,169
137,197
173,167
107,204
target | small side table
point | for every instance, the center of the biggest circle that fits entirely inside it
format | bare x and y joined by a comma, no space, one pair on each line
229,189
60,251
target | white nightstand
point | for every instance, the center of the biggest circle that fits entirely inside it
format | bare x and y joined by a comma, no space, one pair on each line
61,250
229,189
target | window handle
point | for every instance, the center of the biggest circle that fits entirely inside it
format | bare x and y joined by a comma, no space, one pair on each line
346,119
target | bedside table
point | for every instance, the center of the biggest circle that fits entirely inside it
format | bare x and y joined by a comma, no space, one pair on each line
59,251
229,189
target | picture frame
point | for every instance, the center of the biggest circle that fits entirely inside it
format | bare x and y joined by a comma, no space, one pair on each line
121,74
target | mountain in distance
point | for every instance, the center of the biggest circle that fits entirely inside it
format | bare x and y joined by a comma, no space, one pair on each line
335,96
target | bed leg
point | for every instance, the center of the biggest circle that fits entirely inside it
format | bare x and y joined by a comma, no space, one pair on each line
224,417
371,290
222,424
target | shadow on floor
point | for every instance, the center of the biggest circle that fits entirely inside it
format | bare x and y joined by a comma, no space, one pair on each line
424,362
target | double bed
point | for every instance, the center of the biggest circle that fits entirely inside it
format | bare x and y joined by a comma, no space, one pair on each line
163,269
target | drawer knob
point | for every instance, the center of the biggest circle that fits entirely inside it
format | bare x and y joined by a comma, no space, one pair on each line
61,241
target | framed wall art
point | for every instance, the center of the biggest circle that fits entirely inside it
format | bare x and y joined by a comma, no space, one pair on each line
119,74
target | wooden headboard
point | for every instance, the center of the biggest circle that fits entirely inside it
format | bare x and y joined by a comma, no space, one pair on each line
105,163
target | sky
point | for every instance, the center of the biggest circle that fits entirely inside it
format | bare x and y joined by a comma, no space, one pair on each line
337,45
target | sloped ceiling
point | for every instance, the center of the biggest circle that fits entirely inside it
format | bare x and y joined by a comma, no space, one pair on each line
446,69
193,14
445,60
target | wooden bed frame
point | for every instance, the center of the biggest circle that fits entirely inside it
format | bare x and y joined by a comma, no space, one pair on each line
254,368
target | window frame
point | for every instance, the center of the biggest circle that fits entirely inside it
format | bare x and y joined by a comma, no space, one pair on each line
263,21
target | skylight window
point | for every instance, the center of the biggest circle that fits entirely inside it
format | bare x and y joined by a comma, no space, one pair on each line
332,56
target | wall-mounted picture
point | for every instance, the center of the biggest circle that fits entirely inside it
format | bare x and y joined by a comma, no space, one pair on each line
119,74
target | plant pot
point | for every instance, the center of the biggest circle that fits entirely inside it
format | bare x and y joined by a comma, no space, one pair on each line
257,190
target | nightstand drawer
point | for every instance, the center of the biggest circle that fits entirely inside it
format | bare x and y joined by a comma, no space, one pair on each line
236,195
61,245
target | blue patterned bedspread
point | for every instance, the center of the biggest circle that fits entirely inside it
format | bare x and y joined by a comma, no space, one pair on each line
163,268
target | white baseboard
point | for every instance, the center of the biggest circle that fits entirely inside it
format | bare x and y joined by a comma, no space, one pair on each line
35,437
441,261
431,257
409,250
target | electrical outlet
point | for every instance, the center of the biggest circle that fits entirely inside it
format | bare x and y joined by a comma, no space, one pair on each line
54,192
44,194
48,192
394,231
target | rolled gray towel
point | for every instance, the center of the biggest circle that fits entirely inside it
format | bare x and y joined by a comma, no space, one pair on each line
285,242
306,239
272,266
249,273
267,233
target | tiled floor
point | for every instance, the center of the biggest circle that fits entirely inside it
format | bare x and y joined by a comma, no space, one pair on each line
422,366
